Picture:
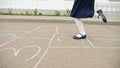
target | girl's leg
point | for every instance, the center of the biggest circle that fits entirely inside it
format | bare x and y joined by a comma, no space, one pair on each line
80,26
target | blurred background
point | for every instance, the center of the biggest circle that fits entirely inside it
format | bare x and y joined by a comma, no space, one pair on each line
39,7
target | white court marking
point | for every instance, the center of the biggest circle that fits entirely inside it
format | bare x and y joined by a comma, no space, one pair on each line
16,52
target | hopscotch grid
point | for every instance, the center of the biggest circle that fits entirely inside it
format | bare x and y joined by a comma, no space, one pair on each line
49,45
39,61
20,36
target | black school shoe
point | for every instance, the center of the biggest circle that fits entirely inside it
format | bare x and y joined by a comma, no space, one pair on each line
100,13
82,37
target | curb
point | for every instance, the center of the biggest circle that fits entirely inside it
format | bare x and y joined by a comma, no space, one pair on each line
56,19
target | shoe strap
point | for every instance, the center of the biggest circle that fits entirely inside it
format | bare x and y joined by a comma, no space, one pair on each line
81,34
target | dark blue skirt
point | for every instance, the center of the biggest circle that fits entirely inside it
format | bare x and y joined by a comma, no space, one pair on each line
83,9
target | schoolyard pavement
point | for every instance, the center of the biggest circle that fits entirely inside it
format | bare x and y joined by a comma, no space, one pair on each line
46,42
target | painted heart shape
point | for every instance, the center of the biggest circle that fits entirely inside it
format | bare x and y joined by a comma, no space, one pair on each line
16,52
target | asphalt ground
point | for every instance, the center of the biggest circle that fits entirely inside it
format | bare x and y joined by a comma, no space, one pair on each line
46,42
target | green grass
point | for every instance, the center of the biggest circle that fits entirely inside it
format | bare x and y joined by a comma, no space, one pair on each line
27,13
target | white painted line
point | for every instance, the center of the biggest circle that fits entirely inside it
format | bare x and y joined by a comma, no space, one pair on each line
11,31
13,35
57,29
10,48
20,36
104,35
108,47
58,39
65,34
39,50
67,47
31,31
45,51
39,61
92,45
34,38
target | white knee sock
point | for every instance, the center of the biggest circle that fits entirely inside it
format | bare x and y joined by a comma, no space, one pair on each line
80,25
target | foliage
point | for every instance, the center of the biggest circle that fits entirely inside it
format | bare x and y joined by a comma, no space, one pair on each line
35,11
10,10
0,13
26,13
57,13
68,11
